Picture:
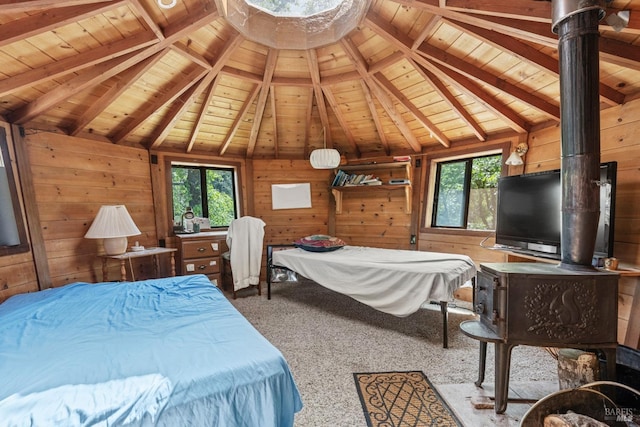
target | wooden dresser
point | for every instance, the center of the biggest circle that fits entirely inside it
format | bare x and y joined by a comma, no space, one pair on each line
200,253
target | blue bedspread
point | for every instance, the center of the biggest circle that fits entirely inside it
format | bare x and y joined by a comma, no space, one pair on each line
167,352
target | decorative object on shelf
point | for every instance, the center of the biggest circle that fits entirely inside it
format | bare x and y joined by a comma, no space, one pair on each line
113,224
515,159
325,158
187,220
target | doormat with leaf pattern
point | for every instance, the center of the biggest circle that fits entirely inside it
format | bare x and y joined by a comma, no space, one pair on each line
402,399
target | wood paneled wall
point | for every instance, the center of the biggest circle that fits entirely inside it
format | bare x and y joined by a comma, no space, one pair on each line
73,177
619,142
287,225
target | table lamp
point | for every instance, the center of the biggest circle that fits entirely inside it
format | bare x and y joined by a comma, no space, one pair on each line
113,224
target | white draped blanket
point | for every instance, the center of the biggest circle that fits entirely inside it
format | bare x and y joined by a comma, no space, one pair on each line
393,281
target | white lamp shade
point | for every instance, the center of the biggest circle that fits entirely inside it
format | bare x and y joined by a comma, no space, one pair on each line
112,221
325,158
514,159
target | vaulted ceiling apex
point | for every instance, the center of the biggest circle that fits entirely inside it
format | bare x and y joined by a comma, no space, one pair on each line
293,32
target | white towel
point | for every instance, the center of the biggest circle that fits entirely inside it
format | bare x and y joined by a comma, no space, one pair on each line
244,238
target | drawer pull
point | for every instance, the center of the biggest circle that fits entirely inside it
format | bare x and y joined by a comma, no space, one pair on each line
202,249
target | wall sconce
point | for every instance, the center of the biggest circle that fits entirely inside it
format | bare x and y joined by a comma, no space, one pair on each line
619,21
515,159
114,225
325,158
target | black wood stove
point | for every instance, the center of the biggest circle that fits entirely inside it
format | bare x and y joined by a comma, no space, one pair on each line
541,305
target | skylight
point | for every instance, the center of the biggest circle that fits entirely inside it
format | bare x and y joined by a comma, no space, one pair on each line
294,24
295,8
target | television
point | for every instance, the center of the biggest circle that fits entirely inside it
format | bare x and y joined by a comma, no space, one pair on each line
529,213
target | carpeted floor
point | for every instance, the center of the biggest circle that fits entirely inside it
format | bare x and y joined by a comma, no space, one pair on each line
327,337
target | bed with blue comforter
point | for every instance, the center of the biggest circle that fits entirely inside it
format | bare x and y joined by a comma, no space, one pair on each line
165,352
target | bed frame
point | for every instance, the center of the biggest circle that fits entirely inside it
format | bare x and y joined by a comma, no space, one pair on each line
270,266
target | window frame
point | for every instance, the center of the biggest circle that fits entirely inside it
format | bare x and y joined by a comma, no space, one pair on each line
203,168
23,246
428,192
235,167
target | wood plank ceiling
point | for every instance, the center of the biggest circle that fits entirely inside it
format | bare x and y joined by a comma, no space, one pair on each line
413,76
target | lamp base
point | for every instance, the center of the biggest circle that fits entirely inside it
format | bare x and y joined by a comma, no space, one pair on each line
115,245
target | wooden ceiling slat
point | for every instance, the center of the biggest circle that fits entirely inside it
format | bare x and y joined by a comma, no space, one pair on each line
382,97
202,113
162,102
50,20
124,81
473,72
75,63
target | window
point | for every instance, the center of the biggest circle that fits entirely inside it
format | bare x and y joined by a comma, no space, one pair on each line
465,193
13,237
208,190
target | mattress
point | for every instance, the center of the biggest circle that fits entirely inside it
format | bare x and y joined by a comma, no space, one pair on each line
164,352
393,281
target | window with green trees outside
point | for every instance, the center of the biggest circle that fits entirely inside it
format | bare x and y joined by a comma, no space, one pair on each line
209,191
466,193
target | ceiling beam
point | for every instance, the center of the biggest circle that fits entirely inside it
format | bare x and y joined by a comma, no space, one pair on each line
528,54
478,74
123,82
272,58
448,97
51,19
274,116
238,120
468,86
76,63
178,108
399,96
386,103
307,125
105,70
141,115
202,113
376,118
333,103
314,71
10,6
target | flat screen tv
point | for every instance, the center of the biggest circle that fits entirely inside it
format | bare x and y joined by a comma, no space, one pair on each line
529,213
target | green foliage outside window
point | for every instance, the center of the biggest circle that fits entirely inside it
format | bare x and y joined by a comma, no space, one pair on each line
217,202
466,193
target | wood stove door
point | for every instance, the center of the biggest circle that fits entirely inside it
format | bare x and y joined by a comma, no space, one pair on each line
488,297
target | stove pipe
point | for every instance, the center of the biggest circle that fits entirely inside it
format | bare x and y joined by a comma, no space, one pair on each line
576,23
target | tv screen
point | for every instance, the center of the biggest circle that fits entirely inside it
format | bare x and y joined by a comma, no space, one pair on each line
529,212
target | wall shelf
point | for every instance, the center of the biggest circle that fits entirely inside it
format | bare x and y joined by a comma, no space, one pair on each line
339,191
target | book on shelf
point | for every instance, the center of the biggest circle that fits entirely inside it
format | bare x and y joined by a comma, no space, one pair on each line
374,181
343,179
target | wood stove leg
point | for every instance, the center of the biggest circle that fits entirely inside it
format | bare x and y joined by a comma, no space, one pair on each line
483,363
503,365
611,355
445,336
